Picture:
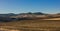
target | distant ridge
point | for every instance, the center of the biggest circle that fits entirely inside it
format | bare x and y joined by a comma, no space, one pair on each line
26,16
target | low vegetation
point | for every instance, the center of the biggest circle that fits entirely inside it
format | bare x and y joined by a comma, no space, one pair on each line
46,23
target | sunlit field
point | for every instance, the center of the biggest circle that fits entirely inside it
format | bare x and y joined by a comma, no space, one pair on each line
32,25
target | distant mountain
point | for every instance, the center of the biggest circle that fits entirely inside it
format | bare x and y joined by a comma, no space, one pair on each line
7,15
36,13
22,16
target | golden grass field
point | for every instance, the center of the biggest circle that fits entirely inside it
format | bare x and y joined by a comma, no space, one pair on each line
52,24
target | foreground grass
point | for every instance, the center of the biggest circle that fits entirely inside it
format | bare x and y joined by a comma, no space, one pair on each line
33,25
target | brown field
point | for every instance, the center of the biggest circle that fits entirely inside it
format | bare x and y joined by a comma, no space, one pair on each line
32,25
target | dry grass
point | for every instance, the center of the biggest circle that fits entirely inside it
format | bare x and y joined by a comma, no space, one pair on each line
53,19
32,25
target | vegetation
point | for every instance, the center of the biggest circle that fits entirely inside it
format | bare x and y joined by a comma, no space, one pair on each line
14,22
32,25
7,17
29,16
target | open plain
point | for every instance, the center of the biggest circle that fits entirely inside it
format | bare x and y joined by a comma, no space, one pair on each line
32,25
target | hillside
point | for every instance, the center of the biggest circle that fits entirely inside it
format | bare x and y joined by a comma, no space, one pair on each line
26,16
30,22
22,16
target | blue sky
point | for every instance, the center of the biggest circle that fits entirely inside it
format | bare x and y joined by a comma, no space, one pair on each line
22,6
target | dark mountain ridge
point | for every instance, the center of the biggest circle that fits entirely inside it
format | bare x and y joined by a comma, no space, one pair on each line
24,16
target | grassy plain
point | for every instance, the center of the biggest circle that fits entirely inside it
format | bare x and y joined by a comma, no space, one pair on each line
32,25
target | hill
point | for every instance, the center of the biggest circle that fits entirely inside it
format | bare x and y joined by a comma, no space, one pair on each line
30,22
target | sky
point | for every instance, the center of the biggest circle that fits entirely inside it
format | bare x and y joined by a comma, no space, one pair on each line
24,6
